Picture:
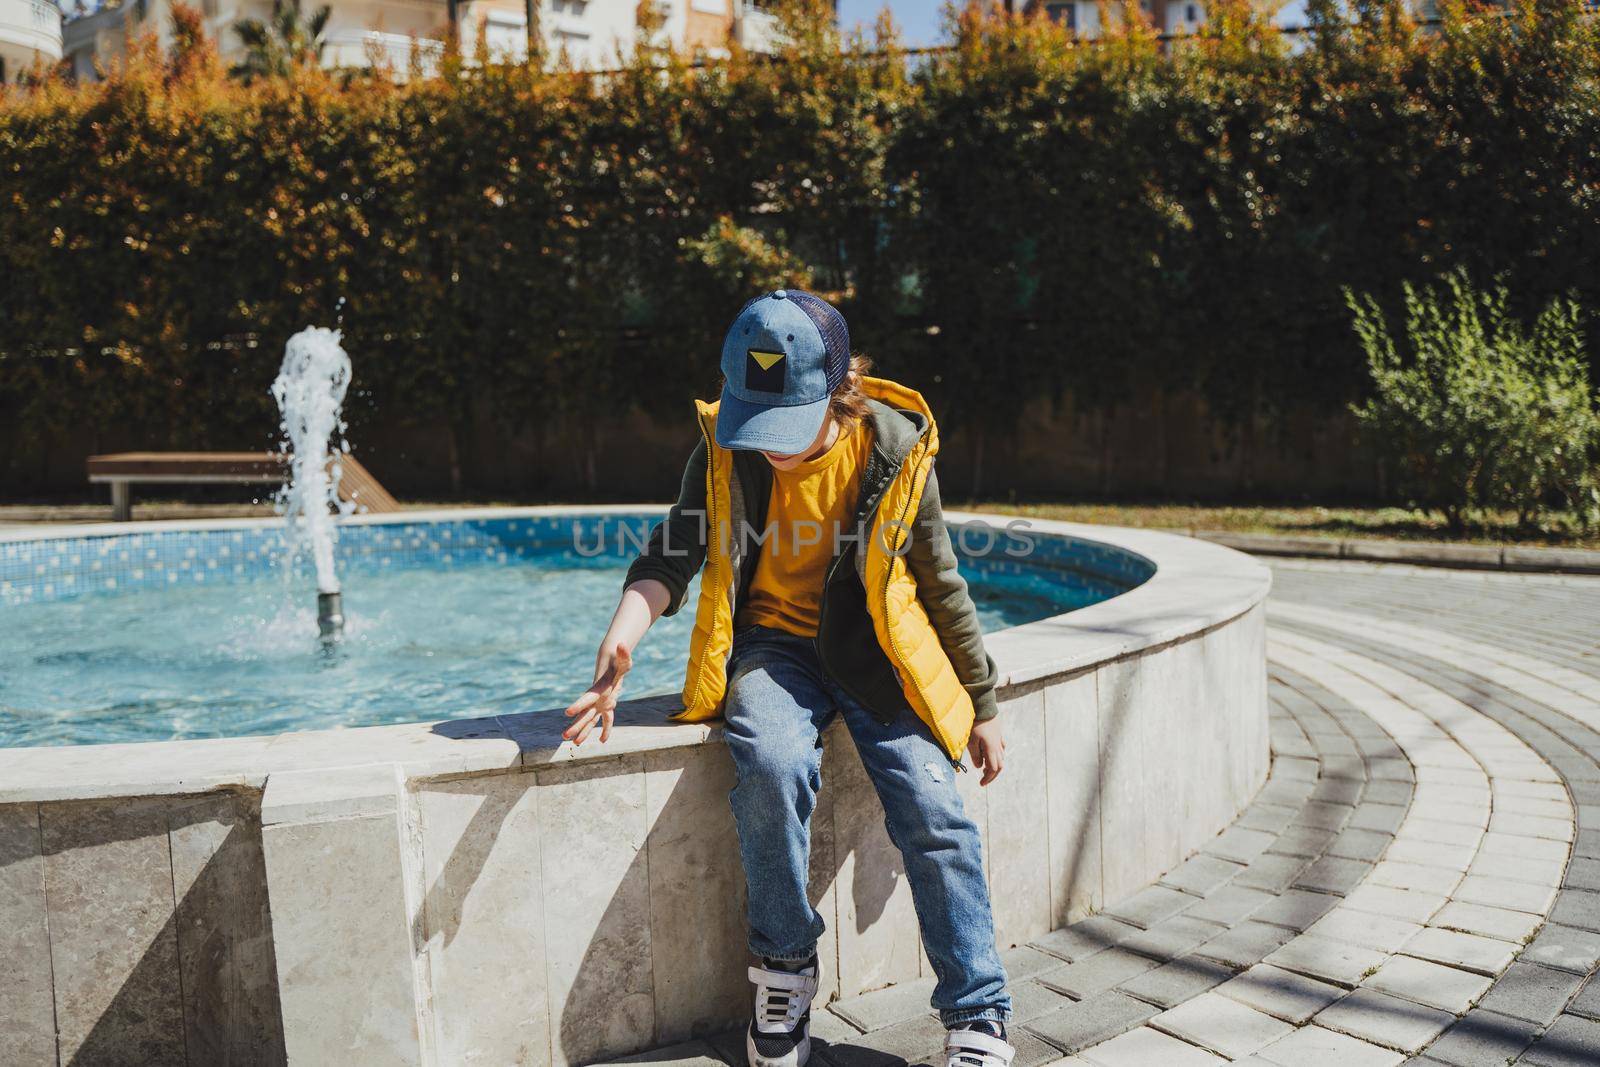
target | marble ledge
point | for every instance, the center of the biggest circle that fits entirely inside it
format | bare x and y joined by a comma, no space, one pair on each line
1197,586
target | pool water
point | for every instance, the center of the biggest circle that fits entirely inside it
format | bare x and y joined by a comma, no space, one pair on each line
240,657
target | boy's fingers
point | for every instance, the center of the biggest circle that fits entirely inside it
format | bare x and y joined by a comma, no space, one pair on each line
992,763
584,702
572,730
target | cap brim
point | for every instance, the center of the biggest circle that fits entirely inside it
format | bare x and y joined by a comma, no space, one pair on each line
743,424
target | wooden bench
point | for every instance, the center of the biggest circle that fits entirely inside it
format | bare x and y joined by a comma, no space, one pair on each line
122,469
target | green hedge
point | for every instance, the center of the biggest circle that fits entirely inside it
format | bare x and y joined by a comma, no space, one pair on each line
1021,215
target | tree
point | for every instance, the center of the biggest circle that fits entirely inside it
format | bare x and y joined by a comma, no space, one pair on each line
284,42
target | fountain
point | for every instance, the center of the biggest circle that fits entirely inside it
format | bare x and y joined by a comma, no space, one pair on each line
310,390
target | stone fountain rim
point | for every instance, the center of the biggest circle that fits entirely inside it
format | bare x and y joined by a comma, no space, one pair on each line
1197,586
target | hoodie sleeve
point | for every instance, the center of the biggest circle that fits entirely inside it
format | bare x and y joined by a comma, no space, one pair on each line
943,593
677,545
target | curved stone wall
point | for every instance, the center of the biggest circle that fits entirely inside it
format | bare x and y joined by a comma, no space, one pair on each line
477,891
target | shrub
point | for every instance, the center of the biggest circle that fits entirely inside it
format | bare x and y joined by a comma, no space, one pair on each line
1476,410
1025,215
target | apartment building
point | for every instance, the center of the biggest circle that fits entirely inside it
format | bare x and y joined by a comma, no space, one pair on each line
30,33
593,33
1168,16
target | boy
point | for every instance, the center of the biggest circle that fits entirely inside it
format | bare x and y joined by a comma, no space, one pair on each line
829,585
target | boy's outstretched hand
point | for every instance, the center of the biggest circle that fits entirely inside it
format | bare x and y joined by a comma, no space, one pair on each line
599,701
988,749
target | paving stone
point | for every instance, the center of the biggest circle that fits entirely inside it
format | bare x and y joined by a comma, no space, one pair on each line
1587,1003
1146,1046
1229,905
1385,817
1201,874
1272,818
1409,904
1442,833
1178,981
1091,1021
1149,906
1565,947
1029,1000
1272,872
915,1041
1396,769
1385,1020
728,1045
1331,961
1360,845
1085,938
1307,769
1365,929
1222,1024
685,1054
1032,1051
1346,791
1519,869
1331,874
1431,853
1416,876
1482,1039
1288,996
1315,1046
1472,952
1570,1042
1503,923
1577,907
1024,961
1524,805
1240,845
1529,991
1428,983
1503,893
1285,791
1171,938
1296,909
1539,848
1531,825
1097,973
1307,842
887,1006
1583,873
1245,944
1324,816
1388,792
1352,766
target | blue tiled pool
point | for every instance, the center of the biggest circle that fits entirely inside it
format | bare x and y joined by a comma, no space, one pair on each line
161,634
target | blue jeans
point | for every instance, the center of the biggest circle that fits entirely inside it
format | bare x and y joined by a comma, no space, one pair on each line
779,701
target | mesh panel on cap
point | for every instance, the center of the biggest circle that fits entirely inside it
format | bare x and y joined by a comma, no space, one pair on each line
835,334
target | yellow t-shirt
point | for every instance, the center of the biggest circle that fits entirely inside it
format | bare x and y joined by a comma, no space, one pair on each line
808,504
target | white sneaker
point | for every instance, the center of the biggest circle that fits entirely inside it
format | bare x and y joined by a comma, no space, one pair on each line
968,1047
780,1028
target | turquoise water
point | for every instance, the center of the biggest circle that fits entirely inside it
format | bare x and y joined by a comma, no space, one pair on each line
457,637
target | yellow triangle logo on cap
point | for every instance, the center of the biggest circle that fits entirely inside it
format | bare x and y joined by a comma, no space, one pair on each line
766,359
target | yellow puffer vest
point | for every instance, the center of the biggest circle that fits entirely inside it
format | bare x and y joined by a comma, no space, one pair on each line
904,631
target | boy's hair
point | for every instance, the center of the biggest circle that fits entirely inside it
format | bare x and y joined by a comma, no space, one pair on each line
848,404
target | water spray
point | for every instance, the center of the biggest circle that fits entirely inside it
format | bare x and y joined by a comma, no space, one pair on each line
310,390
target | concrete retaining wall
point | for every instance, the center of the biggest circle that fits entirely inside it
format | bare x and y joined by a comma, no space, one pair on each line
476,891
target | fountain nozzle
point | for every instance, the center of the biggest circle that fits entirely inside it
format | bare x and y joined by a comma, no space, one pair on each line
330,616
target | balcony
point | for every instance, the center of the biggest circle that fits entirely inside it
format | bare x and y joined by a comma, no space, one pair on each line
29,30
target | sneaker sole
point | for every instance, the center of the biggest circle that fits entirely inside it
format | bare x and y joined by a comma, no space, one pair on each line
802,1053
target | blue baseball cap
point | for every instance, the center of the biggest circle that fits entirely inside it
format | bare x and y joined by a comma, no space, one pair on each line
783,357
